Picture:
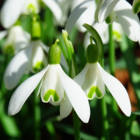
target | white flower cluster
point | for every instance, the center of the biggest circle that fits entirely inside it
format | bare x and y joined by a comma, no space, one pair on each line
55,86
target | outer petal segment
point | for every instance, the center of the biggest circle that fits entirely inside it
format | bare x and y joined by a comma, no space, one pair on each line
10,12
3,34
106,8
79,79
56,10
76,96
65,107
117,90
23,92
16,68
76,13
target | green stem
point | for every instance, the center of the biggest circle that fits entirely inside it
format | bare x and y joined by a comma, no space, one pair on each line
104,119
76,126
76,121
111,51
112,61
73,73
36,118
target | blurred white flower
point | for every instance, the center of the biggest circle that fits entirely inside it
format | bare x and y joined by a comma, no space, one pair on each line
56,88
31,58
12,9
93,79
120,11
16,39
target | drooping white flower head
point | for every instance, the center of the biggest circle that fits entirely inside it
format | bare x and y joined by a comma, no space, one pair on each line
120,11
31,58
16,39
93,79
10,14
56,88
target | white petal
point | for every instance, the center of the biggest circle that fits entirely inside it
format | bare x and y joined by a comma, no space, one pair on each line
45,47
34,7
93,84
86,17
76,13
65,107
117,32
128,20
65,7
102,29
105,9
117,90
76,96
16,68
39,59
75,3
23,92
10,12
79,79
17,38
39,89
63,62
52,82
54,7
3,34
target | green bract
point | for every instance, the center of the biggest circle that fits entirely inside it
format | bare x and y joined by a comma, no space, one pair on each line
92,53
54,53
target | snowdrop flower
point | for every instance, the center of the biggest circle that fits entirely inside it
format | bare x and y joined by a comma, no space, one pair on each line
120,11
93,79
55,87
10,14
31,58
16,39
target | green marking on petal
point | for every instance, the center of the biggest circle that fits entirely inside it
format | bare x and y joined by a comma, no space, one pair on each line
9,49
117,36
39,66
50,93
94,90
31,8
136,7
